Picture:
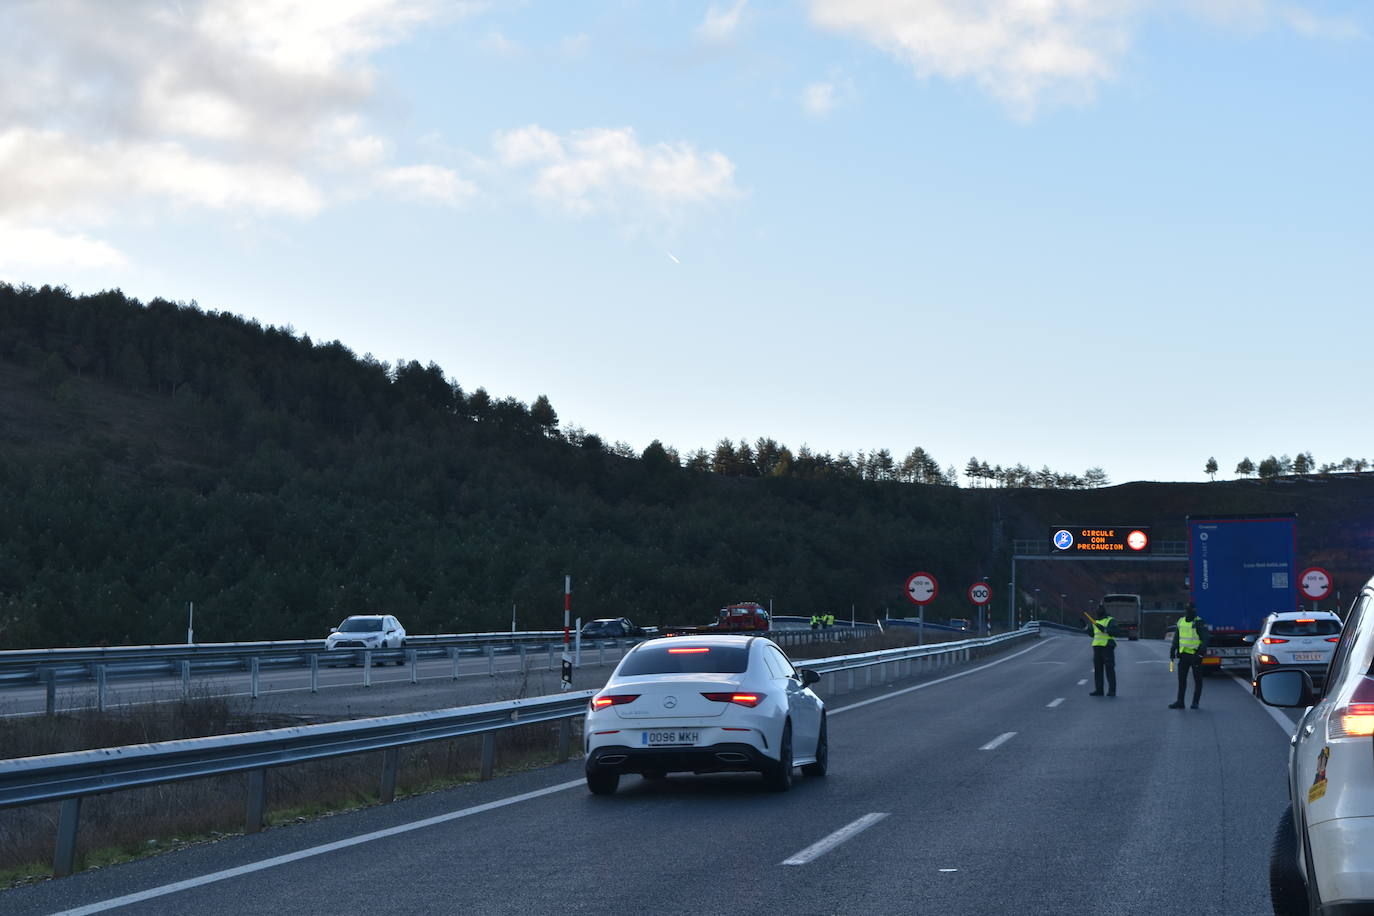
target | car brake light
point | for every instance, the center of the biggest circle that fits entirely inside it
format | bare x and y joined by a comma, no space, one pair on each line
1272,640
1353,721
693,651
1306,620
1333,639
613,699
743,699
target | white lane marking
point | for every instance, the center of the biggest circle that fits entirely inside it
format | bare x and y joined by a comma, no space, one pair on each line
998,741
251,867
948,869
1082,682
848,831
1055,702
1284,722
949,677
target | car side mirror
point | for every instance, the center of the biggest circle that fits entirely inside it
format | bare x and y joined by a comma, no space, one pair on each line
1285,688
333,629
1248,639
809,677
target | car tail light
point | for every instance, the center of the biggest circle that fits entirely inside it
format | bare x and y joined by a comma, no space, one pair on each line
613,699
1268,660
692,651
743,699
1353,721
1333,639
1272,640
1306,620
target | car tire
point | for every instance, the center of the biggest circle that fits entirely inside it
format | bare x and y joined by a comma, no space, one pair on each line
779,775
1287,889
602,783
822,764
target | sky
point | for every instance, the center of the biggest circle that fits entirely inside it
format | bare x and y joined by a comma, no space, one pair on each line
1132,234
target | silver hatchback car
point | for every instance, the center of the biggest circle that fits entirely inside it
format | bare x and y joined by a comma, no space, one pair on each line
1296,639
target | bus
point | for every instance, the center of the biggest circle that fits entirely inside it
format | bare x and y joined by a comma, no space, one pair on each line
1126,610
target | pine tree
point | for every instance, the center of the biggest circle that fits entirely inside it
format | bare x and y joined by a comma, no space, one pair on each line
1211,469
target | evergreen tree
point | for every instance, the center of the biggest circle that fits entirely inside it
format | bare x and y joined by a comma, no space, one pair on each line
1246,467
1211,468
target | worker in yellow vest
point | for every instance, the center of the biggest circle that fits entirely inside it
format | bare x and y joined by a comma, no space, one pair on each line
828,620
1188,646
1104,652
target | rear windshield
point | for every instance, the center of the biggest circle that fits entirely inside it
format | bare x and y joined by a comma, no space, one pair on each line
1305,628
360,625
685,659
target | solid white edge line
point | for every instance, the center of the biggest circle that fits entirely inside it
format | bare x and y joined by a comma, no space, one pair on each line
998,741
1288,726
251,867
950,677
1055,702
848,831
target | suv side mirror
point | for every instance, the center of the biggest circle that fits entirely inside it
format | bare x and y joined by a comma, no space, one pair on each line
1248,639
809,677
1285,688
333,629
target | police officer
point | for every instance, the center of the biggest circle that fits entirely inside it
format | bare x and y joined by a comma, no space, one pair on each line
815,621
828,620
1189,643
1104,652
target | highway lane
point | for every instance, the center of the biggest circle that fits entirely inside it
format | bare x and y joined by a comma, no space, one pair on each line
1090,805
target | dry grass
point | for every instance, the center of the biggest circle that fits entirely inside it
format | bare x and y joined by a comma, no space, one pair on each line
893,638
138,822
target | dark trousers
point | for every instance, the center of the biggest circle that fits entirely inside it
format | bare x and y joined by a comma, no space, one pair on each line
1104,662
1186,661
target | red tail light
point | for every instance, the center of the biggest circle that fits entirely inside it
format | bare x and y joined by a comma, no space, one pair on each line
692,651
744,699
1333,639
613,699
1355,720
1272,640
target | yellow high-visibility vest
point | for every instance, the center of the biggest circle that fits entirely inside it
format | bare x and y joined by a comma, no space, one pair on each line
1100,635
1188,638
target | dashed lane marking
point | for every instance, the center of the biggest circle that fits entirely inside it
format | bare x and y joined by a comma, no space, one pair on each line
998,741
1055,702
848,831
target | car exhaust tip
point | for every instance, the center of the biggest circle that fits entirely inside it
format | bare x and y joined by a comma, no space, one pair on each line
731,757
611,760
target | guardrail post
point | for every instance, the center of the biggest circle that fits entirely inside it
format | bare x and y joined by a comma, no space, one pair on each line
551,657
254,676
564,739
64,858
257,799
185,677
50,691
453,657
391,759
367,667
100,687
851,678
414,656
488,754
522,658
868,675
314,672
491,662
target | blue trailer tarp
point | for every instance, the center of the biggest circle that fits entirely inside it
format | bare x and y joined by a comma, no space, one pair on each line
1241,569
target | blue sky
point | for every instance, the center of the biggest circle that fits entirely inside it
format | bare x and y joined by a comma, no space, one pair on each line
1124,233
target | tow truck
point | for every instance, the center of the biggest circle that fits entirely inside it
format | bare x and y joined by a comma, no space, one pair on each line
733,618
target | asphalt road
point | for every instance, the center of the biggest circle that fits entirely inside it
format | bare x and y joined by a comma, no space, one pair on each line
997,787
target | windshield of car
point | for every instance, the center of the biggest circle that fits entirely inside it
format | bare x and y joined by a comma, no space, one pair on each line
361,625
1305,628
685,659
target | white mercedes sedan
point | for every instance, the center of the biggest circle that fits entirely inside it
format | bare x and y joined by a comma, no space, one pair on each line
705,704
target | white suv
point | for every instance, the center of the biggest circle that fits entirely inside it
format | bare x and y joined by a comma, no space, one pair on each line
1320,861
1296,639
367,631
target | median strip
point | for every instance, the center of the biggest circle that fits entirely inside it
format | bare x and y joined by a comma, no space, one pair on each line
821,847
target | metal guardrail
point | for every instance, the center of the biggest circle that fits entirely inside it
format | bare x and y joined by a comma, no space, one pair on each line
69,777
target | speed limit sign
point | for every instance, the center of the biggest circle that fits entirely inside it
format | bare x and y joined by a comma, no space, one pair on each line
922,588
980,593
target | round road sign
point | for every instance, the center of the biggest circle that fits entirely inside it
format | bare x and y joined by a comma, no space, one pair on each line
922,588
1315,582
1137,540
980,593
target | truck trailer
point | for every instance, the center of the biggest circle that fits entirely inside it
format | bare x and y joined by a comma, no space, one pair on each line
1241,568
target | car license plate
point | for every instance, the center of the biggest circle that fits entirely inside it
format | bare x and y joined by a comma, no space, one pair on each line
669,737
1309,656
1230,653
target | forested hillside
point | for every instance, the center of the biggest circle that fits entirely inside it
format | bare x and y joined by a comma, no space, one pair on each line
156,454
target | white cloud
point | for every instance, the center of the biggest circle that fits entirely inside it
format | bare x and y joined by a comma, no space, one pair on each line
1024,52
237,106
430,183
721,23
609,170
819,99
37,249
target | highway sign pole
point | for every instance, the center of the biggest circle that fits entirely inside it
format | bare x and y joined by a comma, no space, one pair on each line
567,622
190,623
